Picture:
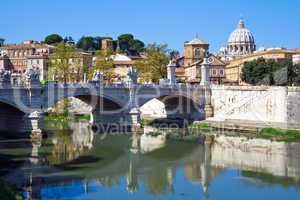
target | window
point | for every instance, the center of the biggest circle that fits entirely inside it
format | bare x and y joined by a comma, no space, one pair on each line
221,72
214,72
197,53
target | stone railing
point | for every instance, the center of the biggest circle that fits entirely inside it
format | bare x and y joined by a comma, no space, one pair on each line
55,84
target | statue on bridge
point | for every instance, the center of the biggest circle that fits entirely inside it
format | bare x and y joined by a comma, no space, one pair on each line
32,74
132,75
98,76
5,76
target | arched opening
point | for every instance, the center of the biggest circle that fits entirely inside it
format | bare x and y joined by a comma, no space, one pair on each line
175,107
11,120
85,104
84,107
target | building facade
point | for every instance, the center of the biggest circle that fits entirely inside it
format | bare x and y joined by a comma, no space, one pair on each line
106,43
216,71
234,67
15,56
30,54
189,66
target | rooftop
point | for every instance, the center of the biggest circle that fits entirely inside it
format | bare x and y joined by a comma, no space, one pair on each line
195,41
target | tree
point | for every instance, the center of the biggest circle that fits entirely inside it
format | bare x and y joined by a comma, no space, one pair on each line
154,67
297,71
269,72
174,54
2,41
88,43
292,72
125,42
129,45
69,40
104,64
137,46
53,39
62,66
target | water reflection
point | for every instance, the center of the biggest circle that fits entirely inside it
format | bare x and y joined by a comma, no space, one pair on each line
77,163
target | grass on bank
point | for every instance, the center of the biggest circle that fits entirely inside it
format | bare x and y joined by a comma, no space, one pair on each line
202,127
280,134
66,117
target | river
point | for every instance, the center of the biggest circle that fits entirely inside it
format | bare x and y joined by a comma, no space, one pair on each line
80,164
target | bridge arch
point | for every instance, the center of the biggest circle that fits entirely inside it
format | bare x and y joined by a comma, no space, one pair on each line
12,119
175,105
95,101
14,105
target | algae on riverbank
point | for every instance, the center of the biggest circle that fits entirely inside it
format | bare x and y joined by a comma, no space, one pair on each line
280,134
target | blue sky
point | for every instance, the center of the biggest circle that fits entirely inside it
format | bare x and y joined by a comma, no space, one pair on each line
273,22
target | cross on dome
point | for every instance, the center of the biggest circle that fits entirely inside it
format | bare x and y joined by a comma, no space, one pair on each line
241,23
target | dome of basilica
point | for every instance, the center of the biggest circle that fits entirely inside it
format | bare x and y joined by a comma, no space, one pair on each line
241,41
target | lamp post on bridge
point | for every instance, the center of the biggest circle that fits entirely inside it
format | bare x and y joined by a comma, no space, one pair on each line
34,119
171,72
134,112
205,81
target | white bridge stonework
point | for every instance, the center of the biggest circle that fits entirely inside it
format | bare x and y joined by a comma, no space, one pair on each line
22,107
25,105
264,104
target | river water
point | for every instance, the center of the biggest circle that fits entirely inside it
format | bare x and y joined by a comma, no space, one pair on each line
80,164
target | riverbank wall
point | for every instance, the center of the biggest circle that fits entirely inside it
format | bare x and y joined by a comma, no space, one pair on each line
268,106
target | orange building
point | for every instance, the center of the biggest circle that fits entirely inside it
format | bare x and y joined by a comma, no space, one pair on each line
233,69
189,65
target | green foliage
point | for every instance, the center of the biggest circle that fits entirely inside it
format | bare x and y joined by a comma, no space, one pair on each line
280,134
270,72
124,42
86,117
53,39
88,43
146,122
129,45
200,127
297,78
104,64
69,40
60,66
174,54
153,67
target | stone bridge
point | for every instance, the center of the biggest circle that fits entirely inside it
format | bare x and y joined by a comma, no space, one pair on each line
22,107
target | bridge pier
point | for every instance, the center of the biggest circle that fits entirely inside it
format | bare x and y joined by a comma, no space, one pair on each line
34,124
135,118
208,109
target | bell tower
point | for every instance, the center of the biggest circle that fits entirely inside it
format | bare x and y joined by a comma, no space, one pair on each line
194,51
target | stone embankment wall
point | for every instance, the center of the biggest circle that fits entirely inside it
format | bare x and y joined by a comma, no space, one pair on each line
256,103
